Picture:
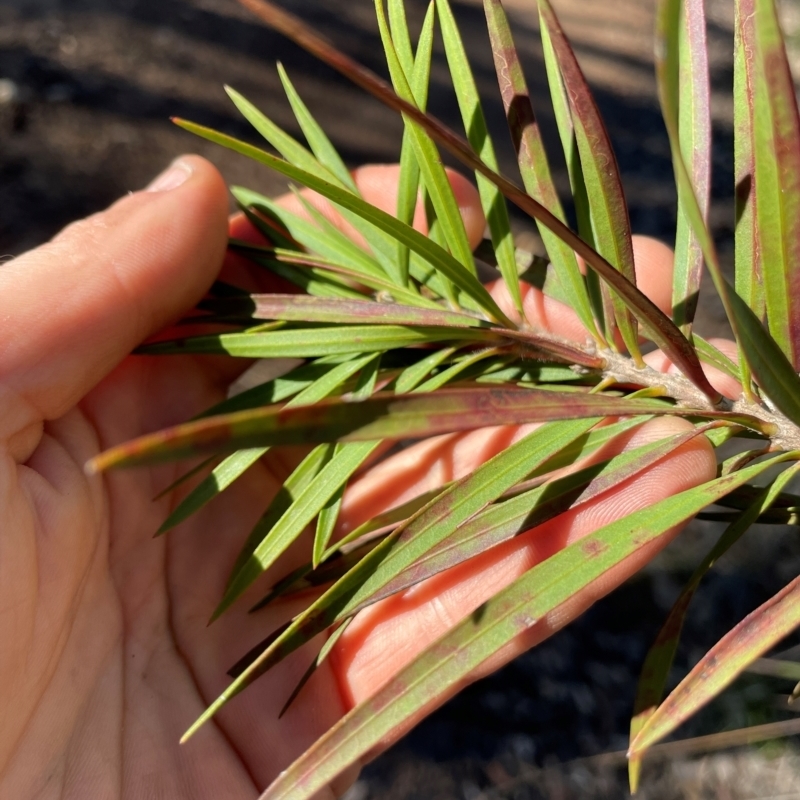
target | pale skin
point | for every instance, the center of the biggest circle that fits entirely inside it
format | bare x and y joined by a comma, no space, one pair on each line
106,657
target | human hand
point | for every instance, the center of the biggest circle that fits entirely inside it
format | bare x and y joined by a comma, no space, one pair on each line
106,656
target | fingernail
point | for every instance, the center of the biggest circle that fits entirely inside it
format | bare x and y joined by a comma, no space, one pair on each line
171,178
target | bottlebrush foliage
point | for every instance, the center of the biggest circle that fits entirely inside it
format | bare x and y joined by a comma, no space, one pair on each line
400,340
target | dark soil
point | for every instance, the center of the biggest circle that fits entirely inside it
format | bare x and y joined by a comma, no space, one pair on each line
86,90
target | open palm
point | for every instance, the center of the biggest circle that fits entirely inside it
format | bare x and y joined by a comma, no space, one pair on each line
106,656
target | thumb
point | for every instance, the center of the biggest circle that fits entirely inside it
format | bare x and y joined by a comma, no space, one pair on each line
75,307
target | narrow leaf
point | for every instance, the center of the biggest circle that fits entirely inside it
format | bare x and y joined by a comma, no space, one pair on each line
298,308
292,488
661,655
532,159
324,652
694,116
299,156
433,175
312,342
748,268
238,463
419,67
775,187
769,364
492,201
386,416
221,477
317,138
662,330
668,74
512,612
412,376
747,641
308,503
416,241
318,234
609,211
504,520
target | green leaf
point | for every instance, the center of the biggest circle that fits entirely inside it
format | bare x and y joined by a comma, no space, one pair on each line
277,389
532,159
317,139
436,256
329,513
387,416
667,74
433,175
512,612
714,357
747,641
503,520
326,522
412,376
292,488
694,118
276,259
299,156
455,504
298,308
324,652
492,201
609,212
660,657
312,342
774,132
456,369
307,504
769,365
419,68
748,267
235,465
221,477
661,329
458,503
317,234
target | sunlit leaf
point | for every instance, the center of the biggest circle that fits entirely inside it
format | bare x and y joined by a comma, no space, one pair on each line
504,520
512,612
694,119
418,66
609,212
657,665
221,477
306,505
278,258
434,177
298,308
668,78
532,158
387,416
296,154
312,342
492,201
317,138
317,234
662,330
416,241
767,361
747,252
747,641
775,187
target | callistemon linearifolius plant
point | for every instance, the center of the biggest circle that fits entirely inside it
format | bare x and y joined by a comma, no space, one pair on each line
398,339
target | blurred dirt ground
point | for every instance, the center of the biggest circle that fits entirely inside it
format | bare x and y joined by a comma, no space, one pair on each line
86,90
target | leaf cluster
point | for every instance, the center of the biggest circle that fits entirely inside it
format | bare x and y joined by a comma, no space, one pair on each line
400,340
